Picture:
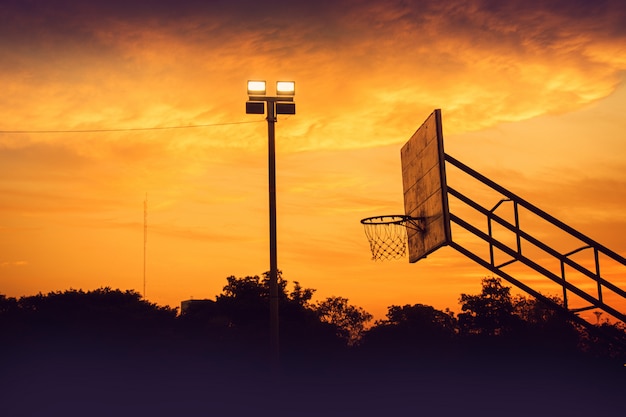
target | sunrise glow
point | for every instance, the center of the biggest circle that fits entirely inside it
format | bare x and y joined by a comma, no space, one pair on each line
102,105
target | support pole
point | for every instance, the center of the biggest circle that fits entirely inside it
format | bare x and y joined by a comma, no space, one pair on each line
274,334
281,104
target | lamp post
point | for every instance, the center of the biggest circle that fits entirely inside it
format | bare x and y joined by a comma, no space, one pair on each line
282,103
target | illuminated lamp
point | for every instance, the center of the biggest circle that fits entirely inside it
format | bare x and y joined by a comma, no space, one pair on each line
256,88
286,88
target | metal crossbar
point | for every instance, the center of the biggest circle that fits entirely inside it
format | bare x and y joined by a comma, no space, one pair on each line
517,254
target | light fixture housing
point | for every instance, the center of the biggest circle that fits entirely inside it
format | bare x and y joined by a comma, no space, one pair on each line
285,108
255,107
256,88
286,88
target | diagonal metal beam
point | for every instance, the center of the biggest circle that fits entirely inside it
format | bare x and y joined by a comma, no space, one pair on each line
563,258
528,262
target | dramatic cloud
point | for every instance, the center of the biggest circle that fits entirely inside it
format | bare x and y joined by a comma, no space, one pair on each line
506,75
359,65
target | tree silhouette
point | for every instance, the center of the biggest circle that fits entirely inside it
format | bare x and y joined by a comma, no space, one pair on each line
608,342
416,348
424,318
301,296
237,321
544,327
7,304
246,300
349,320
412,329
102,319
243,308
10,318
489,313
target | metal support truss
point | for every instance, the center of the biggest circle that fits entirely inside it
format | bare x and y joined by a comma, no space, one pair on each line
524,239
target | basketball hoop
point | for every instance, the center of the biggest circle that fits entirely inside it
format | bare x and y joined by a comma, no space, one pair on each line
387,235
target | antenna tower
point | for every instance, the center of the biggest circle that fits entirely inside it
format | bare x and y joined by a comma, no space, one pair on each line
145,241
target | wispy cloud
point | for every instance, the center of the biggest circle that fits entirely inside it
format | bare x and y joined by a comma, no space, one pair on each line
367,74
359,64
8,264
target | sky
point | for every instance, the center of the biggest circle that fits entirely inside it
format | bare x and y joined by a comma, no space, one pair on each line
531,93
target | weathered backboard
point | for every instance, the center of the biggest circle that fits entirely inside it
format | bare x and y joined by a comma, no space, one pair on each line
425,191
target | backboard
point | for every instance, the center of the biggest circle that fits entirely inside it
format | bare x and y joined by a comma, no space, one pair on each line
425,191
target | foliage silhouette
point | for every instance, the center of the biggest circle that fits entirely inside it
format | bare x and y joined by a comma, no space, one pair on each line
348,320
489,313
543,328
237,322
241,316
109,345
414,328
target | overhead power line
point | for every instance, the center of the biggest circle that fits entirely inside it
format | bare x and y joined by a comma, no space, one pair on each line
128,129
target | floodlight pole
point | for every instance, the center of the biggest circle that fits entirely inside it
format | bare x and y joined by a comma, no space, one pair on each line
271,154
275,105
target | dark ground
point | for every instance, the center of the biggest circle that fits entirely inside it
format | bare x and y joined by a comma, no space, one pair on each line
71,381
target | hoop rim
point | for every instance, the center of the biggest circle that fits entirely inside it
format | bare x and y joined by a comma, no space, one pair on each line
387,219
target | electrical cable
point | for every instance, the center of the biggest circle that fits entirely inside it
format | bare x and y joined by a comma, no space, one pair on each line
128,129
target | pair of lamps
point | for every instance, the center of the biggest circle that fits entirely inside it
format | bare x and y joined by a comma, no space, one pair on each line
282,103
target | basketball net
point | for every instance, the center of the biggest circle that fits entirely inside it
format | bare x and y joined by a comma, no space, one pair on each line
387,240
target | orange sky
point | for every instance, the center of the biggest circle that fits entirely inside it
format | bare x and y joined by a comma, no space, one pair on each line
532,95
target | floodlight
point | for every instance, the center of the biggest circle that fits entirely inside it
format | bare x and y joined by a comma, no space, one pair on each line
286,88
255,107
256,88
285,108
258,102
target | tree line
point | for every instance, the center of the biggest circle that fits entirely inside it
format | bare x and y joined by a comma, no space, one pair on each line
492,323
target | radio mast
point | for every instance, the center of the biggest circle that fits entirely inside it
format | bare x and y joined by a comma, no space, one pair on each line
145,241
